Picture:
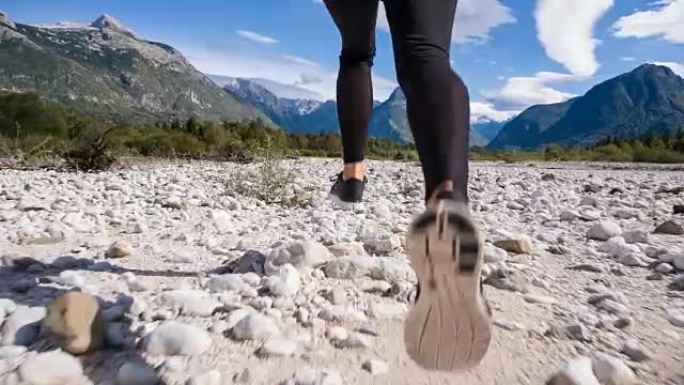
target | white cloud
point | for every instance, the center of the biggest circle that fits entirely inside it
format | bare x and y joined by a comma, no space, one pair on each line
257,37
475,20
666,22
678,68
566,30
627,58
485,111
282,68
521,92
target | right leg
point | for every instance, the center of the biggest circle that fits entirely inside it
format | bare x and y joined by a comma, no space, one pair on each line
356,21
449,327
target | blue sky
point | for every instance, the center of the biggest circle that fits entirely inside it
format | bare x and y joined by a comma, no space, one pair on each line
511,53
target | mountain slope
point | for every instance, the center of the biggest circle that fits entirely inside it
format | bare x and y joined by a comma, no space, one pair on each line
104,70
389,120
646,101
299,116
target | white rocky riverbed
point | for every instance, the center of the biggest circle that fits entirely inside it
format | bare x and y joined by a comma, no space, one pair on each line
199,285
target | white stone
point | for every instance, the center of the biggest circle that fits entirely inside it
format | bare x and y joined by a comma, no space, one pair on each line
275,346
611,370
236,316
304,256
52,368
22,327
71,278
493,254
675,316
119,249
174,338
637,236
136,373
222,221
577,371
255,326
337,333
285,281
537,298
604,230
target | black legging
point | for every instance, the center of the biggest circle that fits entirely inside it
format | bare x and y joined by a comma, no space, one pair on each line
437,99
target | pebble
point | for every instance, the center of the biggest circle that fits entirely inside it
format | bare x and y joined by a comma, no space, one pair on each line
612,370
637,353
672,227
521,244
119,249
375,367
536,298
675,316
136,373
578,371
22,327
285,281
604,230
74,322
52,368
275,346
175,338
71,278
255,326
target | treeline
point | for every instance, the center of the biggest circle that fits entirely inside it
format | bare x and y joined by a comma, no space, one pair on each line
30,125
648,150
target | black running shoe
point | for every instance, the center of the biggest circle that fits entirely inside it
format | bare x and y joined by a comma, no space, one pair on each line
350,190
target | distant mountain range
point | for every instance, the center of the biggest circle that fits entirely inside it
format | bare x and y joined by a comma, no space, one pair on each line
644,102
104,70
311,116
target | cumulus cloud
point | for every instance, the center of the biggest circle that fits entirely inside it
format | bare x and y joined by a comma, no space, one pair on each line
665,21
565,29
486,111
475,20
677,68
521,92
257,37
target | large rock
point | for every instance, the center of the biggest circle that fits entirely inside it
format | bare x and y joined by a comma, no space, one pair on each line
285,282
611,370
74,322
255,326
52,368
604,230
229,282
22,327
190,302
174,338
577,371
673,227
350,267
304,256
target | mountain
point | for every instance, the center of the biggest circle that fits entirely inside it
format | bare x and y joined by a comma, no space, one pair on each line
285,91
299,116
389,120
644,102
104,70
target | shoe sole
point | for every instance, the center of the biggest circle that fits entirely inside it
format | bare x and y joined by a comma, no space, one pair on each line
449,328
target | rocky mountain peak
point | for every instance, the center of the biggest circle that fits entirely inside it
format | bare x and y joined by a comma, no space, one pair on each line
5,20
108,22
